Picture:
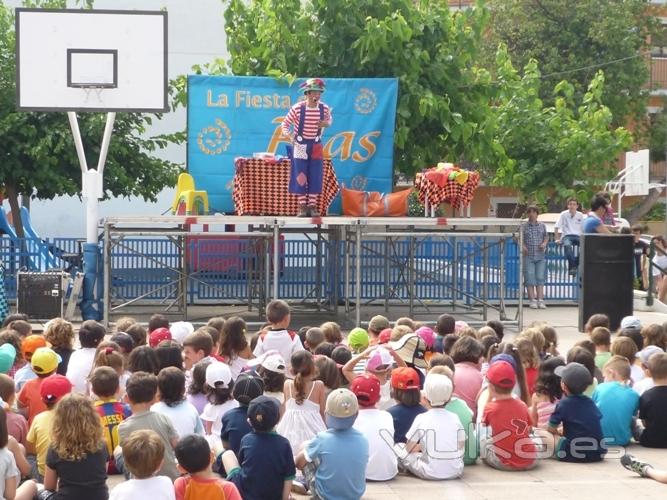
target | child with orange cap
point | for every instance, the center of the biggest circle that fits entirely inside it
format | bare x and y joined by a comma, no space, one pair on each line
28,346
405,390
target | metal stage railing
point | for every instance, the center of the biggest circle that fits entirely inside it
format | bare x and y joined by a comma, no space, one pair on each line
468,266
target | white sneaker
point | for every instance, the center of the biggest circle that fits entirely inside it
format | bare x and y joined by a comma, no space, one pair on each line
541,304
533,304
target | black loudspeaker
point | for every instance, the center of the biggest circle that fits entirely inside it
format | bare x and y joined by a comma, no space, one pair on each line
606,277
41,295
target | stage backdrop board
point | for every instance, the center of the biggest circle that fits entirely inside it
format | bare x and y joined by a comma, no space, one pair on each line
231,116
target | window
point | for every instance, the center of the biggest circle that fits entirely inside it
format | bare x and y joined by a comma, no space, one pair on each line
659,41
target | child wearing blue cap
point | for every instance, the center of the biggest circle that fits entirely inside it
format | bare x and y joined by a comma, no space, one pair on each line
263,454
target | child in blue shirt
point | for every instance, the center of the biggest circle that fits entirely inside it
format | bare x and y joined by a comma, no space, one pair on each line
264,468
334,461
235,422
581,437
405,390
617,401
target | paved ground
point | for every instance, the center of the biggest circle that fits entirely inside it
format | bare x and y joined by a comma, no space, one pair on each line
607,480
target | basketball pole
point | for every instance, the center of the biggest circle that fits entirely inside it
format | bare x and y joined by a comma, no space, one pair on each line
92,190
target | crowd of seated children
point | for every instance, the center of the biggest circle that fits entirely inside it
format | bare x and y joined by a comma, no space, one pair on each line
189,413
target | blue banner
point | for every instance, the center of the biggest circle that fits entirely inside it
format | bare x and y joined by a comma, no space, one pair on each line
232,116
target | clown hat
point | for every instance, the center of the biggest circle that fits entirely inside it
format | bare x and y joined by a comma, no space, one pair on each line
316,84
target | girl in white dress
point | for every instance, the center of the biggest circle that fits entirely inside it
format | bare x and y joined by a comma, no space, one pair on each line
305,400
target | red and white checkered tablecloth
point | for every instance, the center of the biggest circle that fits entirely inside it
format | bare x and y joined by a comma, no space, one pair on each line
260,188
452,192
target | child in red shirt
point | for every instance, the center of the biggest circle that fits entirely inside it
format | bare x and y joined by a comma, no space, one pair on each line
44,362
509,446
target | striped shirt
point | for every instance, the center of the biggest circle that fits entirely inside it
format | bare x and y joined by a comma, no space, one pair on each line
311,121
544,411
112,412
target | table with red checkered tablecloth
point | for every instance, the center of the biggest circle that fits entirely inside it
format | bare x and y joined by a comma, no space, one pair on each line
457,195
260,188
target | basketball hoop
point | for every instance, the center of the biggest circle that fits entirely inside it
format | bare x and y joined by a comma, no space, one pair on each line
62,52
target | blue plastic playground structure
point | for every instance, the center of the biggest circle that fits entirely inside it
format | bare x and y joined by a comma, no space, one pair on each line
38,253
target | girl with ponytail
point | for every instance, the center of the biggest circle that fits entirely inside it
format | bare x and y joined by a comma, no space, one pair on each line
109,354
305,399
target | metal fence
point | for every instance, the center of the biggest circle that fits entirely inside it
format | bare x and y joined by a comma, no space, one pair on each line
223,269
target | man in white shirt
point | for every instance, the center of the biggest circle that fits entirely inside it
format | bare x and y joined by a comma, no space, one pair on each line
567,231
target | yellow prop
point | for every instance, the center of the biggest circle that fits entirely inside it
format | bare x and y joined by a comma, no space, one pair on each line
196,202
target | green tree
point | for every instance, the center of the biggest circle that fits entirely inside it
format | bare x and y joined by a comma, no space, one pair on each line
449,108
443,110
555,151
37,154
657,145
566,35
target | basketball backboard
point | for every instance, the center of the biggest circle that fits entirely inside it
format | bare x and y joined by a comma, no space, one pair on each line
637,164
91,60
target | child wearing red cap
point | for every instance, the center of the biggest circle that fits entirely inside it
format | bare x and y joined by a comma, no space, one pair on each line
51,390
406,393
158,335
377,426
507,445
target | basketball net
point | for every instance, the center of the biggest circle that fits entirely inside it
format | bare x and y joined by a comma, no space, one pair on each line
93,93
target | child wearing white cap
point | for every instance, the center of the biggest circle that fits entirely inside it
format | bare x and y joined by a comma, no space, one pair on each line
219,384
181,329
644,356
434,449
271,367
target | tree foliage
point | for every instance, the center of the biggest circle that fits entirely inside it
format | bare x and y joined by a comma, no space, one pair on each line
554,151
449,105
37,154
443,109
657,136
582,35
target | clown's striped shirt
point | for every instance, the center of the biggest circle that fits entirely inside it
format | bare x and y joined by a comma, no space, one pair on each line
310,124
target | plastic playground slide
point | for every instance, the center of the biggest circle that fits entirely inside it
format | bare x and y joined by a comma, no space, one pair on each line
39,257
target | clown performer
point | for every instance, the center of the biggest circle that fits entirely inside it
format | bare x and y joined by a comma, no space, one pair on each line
303,124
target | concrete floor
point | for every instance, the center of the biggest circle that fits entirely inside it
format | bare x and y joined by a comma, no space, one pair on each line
606,480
